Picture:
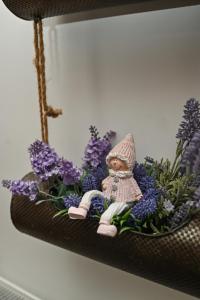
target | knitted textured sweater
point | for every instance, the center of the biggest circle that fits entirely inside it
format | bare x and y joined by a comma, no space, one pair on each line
121,187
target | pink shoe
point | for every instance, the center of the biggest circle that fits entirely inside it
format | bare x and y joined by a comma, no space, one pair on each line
108,230
77,212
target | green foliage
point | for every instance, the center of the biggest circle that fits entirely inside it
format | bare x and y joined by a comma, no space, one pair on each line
172,185
174,188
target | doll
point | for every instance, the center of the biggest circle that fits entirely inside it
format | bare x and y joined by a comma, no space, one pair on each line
120,187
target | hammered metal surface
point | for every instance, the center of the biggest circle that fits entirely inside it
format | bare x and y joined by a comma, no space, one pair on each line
172,260
31,9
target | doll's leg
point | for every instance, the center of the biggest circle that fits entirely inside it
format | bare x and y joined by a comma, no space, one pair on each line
114,209
105,228
81,211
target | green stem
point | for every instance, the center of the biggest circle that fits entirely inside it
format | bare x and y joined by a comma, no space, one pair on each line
179,152
175,166
45,200
62,189
76,188
176,170
51,196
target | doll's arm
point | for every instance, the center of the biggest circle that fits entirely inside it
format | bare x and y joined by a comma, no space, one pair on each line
137,194
105,183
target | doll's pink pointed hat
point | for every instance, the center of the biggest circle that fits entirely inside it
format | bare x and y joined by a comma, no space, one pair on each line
125,151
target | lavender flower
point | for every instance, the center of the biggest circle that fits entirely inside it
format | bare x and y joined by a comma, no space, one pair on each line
44,160
191,122
22,188
100,173
72,200
191,156
89,183
196,196
69,173
97,148
46,163
94,132
168,206
110,135
195,202
196,180
149,160
146,206
97,206
96,151
179,216
146,183
139,172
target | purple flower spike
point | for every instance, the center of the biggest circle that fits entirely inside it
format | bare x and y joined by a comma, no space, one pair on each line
72,200
191,156
97,148
146,183
110,135
23,188
196,198
97,206
191,122
147,205
139,172
100,173
44,160
180,215
89,183
69,173
96,151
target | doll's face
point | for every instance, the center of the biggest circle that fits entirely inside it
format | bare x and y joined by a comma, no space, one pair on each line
117,164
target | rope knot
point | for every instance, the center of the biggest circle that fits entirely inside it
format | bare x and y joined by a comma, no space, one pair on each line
53,112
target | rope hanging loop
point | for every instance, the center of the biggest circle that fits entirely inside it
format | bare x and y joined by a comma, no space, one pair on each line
45,109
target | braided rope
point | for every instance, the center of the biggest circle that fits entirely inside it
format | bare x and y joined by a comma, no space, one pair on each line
37,65
45,110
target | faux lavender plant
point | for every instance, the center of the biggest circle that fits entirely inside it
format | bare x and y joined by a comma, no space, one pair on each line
89,183
177,184
97,148
44,160
171,191
72,200
191,156
70,174
189,135
147,206
186,132
180,216
24,188
97,206
191,121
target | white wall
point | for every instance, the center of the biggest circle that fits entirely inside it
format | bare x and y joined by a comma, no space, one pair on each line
130,74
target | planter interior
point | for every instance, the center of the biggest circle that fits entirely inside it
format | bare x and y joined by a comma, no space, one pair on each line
31,9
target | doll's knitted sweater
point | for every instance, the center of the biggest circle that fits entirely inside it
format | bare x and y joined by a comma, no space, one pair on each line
121,187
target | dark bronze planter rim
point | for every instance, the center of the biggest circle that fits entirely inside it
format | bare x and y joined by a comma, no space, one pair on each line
32,9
